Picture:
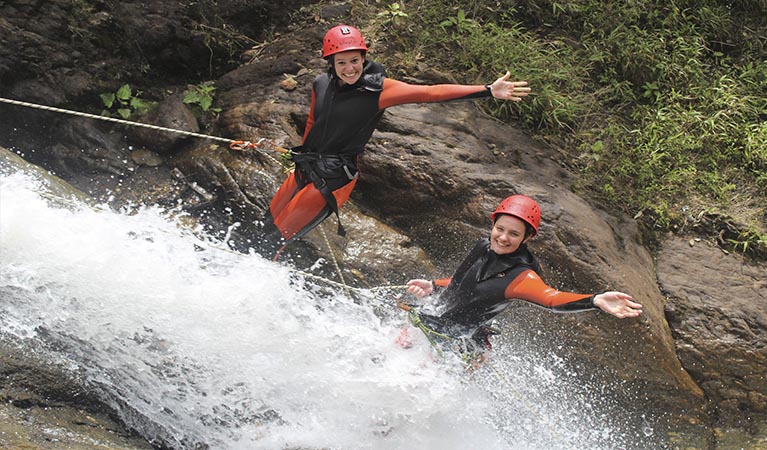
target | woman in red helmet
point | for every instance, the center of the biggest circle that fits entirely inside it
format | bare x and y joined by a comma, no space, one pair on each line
501,269
346,104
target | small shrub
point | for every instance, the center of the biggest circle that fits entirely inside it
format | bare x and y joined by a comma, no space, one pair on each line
200,98
125,103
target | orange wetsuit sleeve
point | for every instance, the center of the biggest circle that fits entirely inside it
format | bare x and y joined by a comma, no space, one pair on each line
310,119
530,287
398,93
442,282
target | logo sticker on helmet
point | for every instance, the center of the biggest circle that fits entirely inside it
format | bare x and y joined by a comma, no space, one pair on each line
346,30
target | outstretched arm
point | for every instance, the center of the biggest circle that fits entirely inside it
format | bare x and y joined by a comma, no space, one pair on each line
530,287
397,92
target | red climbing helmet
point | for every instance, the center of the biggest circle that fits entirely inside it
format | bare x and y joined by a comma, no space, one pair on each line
521,207
342,38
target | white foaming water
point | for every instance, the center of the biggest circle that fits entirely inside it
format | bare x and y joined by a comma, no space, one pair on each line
193,344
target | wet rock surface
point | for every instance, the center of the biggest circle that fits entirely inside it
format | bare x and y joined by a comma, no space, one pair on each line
718,318
43,407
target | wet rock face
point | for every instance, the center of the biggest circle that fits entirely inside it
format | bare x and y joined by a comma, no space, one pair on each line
718,317
66,53
171,113
44,406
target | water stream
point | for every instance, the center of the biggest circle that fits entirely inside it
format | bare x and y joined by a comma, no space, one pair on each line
194,345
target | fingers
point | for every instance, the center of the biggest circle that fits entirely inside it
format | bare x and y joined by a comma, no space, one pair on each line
634,305
516,90
519,87
618,304
504,89
419,288
627,314
417,291
624,311
630,313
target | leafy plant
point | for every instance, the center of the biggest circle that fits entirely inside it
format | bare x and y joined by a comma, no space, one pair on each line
393,15
460,22
125,103
200,97
750,241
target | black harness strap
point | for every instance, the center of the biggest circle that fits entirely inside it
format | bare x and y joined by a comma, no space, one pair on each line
319,168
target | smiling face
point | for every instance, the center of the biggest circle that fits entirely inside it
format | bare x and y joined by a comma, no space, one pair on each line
507,235
348,66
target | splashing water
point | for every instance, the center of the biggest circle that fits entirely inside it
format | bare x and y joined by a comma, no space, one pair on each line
195,345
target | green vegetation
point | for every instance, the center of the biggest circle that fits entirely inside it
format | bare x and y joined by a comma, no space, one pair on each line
125,103
80,11
393,14
661,106
200,98
224,41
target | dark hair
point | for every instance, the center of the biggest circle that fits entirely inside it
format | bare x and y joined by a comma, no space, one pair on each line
529,230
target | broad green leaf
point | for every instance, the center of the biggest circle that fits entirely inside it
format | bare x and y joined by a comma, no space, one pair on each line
205,103
124,93
108,99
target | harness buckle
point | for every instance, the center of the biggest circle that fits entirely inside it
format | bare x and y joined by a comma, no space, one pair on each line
319,182
349,174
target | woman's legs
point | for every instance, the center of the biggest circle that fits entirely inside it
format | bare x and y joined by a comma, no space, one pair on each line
295,210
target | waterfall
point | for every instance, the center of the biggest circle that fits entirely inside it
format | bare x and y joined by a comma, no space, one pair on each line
197,346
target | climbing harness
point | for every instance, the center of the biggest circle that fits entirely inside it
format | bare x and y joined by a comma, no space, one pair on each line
471,347
320,170
415,319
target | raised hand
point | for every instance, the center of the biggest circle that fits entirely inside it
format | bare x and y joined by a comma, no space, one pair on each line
504,89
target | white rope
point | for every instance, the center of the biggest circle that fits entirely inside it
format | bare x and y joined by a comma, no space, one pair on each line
333,258
112,119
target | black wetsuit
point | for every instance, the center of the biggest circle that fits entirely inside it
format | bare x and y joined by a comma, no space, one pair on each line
484,284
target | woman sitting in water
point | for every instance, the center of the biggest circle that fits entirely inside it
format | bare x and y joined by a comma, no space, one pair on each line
499,270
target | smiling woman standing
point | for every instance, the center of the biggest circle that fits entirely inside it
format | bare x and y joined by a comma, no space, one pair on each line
501,269
347,103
